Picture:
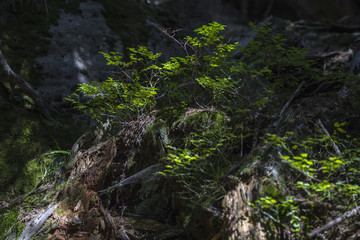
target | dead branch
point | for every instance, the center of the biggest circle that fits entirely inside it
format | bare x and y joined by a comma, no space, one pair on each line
28,90
295,94
144,175
36,223
292,97
109,220
353,212
336,148
171,34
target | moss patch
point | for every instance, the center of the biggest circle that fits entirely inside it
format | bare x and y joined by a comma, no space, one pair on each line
9,222
25,136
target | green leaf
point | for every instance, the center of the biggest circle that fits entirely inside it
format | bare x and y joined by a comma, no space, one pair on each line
341,130
342,124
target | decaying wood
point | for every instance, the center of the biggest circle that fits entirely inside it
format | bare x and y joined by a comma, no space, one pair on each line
25,86
109,220
3,204
240,220
36,223
353,212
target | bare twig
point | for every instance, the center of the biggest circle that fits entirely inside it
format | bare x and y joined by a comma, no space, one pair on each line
46,8
328,28
268,8
292,98
171,34
353,212
304,203
288,103
144,175
336,148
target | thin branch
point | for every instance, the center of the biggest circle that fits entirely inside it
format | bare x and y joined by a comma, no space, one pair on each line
292,97
295,94
353,212
315,204
144,175
268,8
336,148
171,34
46,8
328,28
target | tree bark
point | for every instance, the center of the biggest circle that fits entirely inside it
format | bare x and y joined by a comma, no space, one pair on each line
28,90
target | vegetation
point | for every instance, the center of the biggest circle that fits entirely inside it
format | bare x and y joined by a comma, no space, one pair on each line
24,134
9,222
211,106
326,170
208,76
212,89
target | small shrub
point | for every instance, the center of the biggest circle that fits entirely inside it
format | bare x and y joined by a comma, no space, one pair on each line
323,175
208,75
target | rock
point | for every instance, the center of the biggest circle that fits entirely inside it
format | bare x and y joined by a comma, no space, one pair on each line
73,57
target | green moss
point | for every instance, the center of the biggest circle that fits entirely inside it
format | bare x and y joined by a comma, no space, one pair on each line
9,223
196,119
24,136
159,128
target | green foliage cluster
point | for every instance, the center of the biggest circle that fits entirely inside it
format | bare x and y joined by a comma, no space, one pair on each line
143,81
129,97
209,75
198,162
284,66
327,172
